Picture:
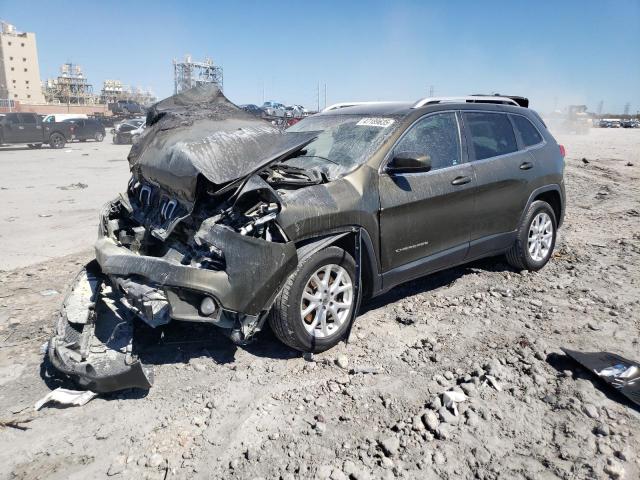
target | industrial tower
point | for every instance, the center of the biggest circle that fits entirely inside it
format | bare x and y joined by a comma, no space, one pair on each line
188,74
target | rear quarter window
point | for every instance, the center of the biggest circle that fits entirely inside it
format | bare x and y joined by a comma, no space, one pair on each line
528,132
491,134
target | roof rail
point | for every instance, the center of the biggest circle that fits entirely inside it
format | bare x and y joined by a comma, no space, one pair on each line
337,106
470,99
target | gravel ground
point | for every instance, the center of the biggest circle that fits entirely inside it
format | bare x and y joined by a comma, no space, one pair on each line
372,408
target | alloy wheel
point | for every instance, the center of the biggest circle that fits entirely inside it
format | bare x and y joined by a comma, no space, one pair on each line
326,301
540,237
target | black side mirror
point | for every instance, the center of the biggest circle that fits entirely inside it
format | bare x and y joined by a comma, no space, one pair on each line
409,162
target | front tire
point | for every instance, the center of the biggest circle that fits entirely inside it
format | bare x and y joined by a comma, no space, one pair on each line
317,304
99,137
536,238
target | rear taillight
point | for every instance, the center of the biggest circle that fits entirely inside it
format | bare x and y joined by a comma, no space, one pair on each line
563,152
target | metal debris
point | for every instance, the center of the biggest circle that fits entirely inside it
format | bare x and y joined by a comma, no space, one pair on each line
621,373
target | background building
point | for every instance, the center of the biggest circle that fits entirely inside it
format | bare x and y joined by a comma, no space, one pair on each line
19,69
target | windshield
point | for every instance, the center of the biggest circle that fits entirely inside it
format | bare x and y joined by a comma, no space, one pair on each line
344,141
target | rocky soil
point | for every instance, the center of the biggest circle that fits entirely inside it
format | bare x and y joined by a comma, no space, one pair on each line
372,408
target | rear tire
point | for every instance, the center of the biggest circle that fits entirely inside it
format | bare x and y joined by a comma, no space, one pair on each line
335,304
536,238
99,137
57,140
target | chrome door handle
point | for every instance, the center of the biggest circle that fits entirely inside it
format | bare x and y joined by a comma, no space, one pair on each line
460,180
526,166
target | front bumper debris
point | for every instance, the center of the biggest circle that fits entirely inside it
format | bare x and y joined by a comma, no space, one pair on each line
93,343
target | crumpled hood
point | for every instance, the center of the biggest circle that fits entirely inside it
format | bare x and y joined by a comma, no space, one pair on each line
200,132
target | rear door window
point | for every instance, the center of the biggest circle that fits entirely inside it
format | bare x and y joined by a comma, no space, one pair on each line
491,134
528,132
436,136
31,119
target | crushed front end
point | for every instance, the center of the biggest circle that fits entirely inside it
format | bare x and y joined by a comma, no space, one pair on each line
191,239
93,342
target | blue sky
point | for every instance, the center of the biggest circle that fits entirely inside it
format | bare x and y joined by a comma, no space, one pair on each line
554,52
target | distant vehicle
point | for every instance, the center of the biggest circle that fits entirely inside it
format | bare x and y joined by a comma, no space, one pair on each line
295,111
127,132
273,109
604,124
29,128
61,117
251,108
630,123
126,107
88,129
615,124
301,111
577,119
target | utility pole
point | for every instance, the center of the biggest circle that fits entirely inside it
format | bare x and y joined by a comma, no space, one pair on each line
627,107
318,97
431,90
325,95
600,105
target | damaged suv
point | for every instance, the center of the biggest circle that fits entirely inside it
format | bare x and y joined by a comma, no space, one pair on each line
229,221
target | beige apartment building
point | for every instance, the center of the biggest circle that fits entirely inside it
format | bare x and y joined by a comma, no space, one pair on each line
19,69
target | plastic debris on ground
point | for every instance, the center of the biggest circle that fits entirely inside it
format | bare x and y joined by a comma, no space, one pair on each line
621,373
66,397
450,399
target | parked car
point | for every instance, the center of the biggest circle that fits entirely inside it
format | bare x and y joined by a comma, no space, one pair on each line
295,111
254,109
630,123
126,107
125,132
29,128
231,222
61,117
87,129
273,109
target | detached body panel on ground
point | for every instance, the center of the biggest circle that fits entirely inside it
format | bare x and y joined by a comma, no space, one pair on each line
229,221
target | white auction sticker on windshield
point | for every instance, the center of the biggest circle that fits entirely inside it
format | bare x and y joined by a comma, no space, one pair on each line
375,122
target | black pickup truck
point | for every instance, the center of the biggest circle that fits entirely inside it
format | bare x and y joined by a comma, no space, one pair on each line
30,129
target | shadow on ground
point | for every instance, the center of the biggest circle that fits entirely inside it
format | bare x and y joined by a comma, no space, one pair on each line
180,342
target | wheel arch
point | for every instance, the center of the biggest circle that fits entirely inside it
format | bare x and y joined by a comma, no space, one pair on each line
552,194
59,132
357,242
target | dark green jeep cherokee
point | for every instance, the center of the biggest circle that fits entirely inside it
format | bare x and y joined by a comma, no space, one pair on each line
230,221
